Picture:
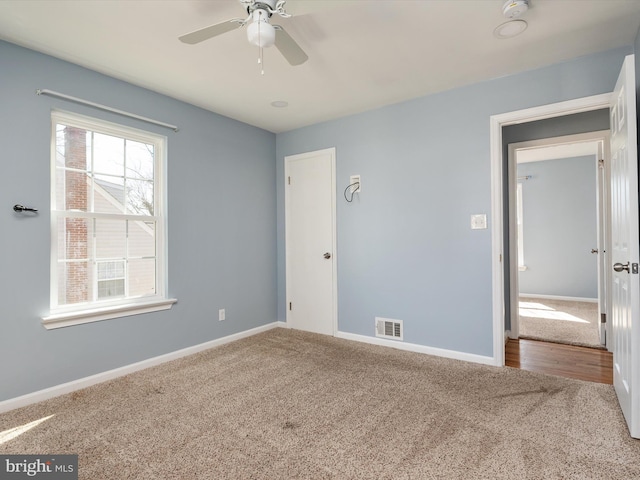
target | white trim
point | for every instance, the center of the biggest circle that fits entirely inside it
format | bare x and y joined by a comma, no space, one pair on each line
595,139
413,347
496,122
76,317
560,297
85,382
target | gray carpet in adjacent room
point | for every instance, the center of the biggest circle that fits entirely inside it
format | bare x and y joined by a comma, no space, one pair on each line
560,321
286,404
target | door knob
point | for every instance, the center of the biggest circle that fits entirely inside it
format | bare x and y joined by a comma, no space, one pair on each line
618,267
594,250
327,255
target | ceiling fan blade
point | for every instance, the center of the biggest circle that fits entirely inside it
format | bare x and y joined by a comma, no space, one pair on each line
211,31
288,47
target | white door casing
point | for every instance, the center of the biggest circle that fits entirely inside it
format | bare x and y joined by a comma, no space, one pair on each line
625,240
496,122
594,143
310,192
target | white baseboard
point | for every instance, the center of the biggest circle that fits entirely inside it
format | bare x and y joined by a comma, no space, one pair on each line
413,347
559,297
85,382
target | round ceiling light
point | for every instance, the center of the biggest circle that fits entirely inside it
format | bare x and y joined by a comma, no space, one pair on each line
279,103
510,29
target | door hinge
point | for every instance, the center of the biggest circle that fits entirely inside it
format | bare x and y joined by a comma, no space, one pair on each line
289,180
500,258
289,305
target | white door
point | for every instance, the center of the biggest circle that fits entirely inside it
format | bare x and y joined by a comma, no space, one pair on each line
625,245
310,241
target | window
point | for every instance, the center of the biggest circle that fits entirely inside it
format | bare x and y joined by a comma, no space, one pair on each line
107,221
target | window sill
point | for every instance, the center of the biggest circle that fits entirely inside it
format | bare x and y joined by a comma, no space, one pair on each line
67,319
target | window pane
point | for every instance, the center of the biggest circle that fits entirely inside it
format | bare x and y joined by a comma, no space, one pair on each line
73,282
110,270
110,288
142,239
108,194
60,194
75,237
139,160
72,190
111,239
71,147
108,154
142,277
140,197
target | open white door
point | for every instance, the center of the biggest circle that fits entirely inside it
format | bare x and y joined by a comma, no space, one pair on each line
625,308
310,241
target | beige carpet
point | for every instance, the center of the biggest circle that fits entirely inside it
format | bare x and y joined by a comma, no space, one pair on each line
560,321
291,405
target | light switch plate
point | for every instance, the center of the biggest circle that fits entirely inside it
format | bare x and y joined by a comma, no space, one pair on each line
479,221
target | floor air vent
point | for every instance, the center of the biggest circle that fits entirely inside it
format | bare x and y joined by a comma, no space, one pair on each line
388,328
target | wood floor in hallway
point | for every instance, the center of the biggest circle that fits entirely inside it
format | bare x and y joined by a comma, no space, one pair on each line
583,363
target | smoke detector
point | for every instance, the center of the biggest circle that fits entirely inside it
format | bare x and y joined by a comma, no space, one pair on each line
515,8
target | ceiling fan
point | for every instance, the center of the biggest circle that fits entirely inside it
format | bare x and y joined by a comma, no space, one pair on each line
259,31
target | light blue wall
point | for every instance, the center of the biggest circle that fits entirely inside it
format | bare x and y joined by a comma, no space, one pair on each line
221,237
405,247
560,227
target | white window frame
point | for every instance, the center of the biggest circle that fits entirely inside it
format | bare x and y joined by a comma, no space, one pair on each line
91,311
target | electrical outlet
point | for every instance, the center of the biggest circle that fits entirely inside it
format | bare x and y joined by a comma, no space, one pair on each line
355,179
479,221
221,314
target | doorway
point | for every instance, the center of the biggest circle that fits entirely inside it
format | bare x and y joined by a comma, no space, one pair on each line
559,238
310,232
625,251
501,273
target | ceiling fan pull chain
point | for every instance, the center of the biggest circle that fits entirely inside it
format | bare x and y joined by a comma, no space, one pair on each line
260,51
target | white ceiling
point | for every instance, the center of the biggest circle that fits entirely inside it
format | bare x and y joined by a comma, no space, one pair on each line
363,54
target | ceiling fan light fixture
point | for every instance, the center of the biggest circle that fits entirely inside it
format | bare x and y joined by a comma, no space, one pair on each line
260,32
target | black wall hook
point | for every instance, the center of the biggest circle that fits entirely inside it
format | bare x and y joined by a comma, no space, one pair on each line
19,208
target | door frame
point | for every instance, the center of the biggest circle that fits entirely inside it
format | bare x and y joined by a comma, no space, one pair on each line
600,141
334,242
496,122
